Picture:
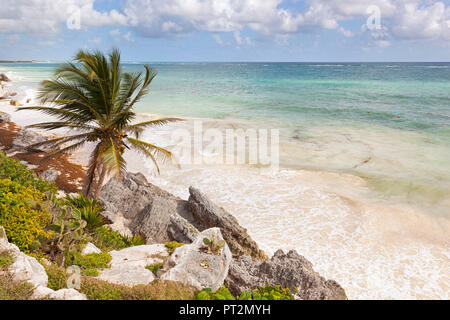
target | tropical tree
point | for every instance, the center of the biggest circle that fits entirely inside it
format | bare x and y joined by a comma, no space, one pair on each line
94,97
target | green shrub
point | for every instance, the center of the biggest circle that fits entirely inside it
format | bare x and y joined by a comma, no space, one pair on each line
261,293
88,261
19,173
221,294
22,214
6,259
57,276
157,290
89,209
154,267
268,293
90,272
173,245
108,240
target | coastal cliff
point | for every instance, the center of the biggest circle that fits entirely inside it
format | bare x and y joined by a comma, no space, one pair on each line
133,206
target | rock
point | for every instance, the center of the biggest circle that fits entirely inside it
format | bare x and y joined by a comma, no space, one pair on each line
181,230
67,294
119,223
207,215
41,292
4,77
127,266
26,138
13,94
24,268
50,175
191,265
90,248
287,270
15,103
28,100
148,207
4,117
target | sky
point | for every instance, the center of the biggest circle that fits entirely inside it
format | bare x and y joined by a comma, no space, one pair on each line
228,30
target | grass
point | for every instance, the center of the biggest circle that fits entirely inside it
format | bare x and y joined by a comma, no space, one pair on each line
57,277
11,289
88,261
157,290
154,267
173,245
6,259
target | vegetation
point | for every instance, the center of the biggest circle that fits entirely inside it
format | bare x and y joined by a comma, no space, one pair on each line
57,276
173,245
154,267
157,290
94,96
15,171
6,259
22,214
221,294
89,209
11,289
108,240
88,263
213,246
261,293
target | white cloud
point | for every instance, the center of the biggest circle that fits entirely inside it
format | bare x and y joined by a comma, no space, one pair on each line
49,16
241,41
404,19
118,36
218,39
346,33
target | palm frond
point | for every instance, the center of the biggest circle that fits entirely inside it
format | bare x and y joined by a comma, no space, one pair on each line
113,159
137,128
162,153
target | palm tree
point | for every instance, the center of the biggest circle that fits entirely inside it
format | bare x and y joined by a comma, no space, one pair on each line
94,97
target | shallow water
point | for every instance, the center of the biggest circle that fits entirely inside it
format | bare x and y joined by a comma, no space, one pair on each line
363,190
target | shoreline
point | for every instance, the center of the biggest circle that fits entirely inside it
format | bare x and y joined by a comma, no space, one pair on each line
321,233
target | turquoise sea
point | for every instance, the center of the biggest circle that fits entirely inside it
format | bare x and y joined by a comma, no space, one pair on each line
364,190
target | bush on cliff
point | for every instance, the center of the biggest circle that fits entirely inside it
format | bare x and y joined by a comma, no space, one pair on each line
261,293
19,173
11,289
157,290
22,214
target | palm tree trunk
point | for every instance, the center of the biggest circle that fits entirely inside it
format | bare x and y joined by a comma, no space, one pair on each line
100,181
89,180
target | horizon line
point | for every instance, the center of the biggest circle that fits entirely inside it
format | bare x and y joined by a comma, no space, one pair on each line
199,61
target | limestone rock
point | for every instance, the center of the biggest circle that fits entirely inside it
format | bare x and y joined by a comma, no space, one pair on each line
26,138
207,215
67,294
119,223
191,265
50,175
24,268
90,248
287,270
147,207
181,230
41,292
127,266
4,117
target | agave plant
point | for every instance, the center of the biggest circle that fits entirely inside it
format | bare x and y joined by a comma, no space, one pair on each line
94,97
212,245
